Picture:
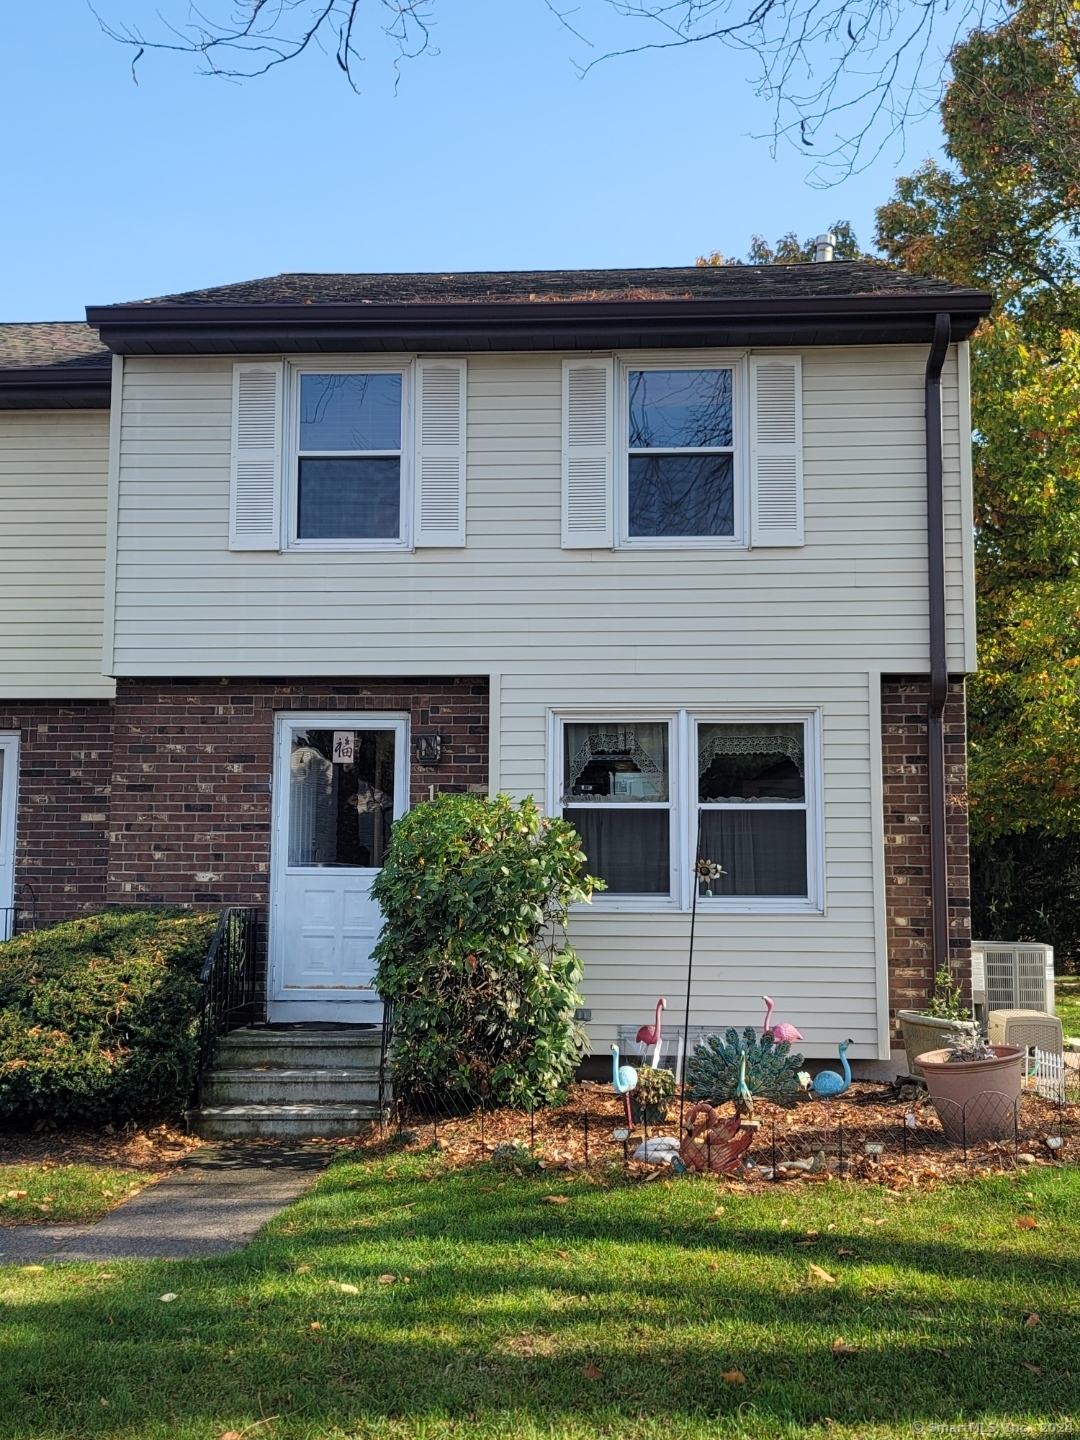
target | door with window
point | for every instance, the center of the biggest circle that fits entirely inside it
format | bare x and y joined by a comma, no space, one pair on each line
9,777
341,781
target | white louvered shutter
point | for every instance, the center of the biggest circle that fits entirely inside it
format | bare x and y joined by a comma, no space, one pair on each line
776,468
440,453
588,471
255,488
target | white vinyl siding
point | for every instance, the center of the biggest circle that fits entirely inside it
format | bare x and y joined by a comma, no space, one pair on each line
53,484
855,593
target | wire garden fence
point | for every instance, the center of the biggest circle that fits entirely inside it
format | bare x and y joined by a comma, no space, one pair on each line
877,1133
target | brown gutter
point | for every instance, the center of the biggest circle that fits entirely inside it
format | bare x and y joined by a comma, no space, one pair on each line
76,387
939,668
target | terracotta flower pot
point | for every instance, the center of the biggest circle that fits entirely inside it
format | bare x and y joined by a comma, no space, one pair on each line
975,1099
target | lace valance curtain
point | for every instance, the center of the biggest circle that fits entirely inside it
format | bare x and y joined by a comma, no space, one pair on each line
646,744
759,739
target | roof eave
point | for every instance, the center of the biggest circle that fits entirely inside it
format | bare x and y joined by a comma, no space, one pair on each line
555,325
74,388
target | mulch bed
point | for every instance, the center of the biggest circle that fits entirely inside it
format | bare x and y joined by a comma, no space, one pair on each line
159,1148
913,1151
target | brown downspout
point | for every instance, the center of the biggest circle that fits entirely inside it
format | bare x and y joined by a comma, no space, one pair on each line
939,669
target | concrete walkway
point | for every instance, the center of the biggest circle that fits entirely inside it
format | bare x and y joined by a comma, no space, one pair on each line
215,1203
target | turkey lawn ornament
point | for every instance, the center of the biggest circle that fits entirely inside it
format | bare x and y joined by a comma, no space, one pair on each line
624,1078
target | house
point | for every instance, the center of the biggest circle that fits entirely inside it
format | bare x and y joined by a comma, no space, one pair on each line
684,553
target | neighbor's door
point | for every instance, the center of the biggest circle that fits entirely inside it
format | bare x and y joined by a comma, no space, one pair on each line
341,781
9,779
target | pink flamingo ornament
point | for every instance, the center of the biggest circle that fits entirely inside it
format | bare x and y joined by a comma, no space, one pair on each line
780,1032
650,1034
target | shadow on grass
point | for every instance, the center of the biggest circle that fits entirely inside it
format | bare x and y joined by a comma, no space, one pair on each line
496,1321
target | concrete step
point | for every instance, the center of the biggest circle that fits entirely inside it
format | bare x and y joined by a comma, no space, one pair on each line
280,1122
298,1049
345,1085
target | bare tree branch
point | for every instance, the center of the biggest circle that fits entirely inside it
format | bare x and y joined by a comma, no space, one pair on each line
239,39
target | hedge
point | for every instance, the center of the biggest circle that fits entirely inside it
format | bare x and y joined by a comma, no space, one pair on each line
97,1017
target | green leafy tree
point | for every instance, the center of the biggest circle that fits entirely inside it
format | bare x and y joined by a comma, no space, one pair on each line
1004,214
790,250
473,955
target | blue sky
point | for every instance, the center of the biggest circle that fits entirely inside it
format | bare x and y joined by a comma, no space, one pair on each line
492,154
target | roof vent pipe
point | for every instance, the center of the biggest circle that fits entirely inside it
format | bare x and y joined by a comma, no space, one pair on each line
823,246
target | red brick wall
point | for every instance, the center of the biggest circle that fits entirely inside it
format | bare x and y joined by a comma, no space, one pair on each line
907,841
61,842
190,818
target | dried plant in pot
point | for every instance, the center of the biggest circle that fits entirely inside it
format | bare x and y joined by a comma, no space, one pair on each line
650,1101
975,1087
928,1029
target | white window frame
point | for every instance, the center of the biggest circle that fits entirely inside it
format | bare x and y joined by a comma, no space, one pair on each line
332,365
737,363
683,802
622,715
812,902
9,809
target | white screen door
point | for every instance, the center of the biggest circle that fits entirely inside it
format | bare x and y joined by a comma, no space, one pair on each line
340,783
9,779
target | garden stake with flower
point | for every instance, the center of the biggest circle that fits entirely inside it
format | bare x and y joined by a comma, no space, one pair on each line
704,870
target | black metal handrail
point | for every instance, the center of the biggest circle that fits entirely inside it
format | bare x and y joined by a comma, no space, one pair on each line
227,980
22,916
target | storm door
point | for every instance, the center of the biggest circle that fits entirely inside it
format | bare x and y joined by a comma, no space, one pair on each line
340,783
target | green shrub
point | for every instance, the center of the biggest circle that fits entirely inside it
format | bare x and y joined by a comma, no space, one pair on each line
473,957
97,1017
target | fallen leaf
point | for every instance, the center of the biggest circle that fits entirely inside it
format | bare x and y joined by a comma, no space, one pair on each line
784,1224
169,1295
733,1377
315,1325
845,1252
1035,1369
805,1242
822,1274
303,1269
563,1254
349,1289
104,1402
830,1227
230,1435
16,1194
840,1347
713,1265
386,1279
1032,1320
557,1199
591,1372
1025,1222
946,1227
33,1267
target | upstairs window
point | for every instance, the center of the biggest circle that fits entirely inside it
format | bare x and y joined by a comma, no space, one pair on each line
349,457
681,461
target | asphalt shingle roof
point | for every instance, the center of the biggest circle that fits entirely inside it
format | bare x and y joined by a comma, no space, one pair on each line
693,282
51,345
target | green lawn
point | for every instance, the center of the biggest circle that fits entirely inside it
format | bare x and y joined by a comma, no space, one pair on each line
1067,1002
614,1314
63,1194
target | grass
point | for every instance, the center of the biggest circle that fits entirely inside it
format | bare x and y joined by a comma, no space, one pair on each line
1067,1002
63,1194
617,1313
